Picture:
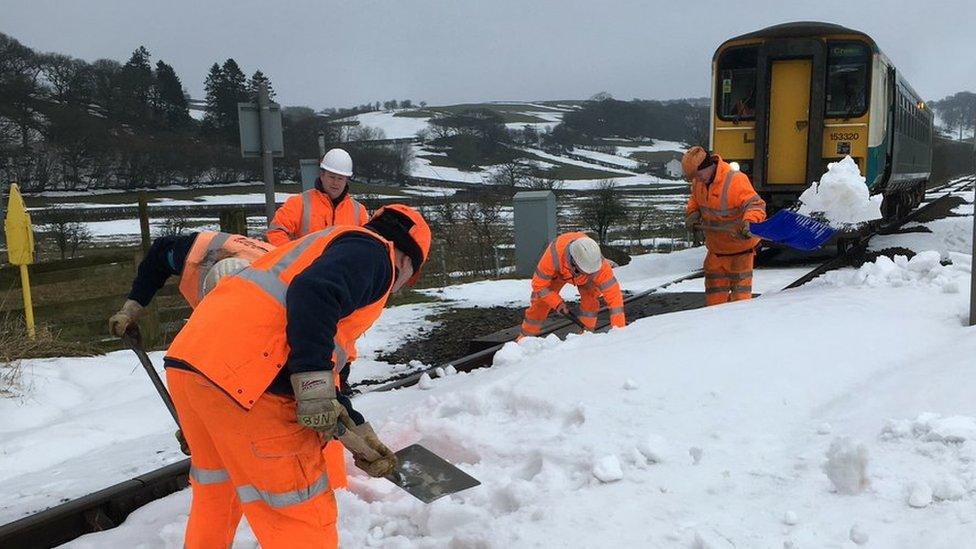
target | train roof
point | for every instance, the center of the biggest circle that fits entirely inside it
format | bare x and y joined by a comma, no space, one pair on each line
796,30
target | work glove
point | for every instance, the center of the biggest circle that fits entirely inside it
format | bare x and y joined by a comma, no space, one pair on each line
128,315
381,466
316,406
743,231
692,220
562,308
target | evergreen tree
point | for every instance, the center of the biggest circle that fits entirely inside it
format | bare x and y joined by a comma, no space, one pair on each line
136,86
252,86
171,106
212,86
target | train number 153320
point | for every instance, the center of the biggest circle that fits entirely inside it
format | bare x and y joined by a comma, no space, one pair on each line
840,136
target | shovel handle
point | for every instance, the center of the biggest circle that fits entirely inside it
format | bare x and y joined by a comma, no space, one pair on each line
356,444
575,319
133,340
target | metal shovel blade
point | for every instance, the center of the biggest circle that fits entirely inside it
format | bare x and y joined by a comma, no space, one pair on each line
427,476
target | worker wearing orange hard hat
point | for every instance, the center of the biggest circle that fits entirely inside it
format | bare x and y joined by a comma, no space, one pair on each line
252,378
723,204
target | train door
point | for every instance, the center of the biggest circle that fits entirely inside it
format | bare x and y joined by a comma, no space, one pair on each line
789,121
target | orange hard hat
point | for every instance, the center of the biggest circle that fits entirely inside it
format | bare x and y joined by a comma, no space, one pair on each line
407,229
692,159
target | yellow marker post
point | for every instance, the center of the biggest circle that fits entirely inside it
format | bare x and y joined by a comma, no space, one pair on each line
20,248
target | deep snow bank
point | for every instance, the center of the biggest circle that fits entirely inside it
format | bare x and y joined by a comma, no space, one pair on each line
706,428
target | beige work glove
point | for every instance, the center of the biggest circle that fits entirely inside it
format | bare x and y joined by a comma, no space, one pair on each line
316,406
128,315
380,466
692,220
743,229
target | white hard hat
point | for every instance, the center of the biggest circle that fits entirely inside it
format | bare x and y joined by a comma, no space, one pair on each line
222,268
337,161
585,253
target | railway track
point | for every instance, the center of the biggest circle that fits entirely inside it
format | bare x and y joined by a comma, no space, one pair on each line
109,507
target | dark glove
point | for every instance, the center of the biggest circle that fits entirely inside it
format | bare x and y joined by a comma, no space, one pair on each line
693,219
344,387
316,406
184,447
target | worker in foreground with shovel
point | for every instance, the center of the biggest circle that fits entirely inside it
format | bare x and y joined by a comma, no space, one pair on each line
573,258
252,375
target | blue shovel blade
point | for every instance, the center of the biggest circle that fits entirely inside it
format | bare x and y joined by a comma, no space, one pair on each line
794,230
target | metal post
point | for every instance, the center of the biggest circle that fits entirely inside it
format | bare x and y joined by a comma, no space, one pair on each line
321,144
972,266
264,114
498,270
443,255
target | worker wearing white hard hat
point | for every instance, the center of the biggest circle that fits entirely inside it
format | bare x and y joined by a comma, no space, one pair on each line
573,258
326,205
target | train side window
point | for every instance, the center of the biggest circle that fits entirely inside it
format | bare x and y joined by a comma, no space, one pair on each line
848,65
736,83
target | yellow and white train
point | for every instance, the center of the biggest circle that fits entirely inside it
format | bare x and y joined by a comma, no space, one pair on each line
791,98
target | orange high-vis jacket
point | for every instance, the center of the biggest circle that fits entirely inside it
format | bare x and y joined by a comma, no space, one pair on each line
236,337
313,211
553,271
210,247
724,206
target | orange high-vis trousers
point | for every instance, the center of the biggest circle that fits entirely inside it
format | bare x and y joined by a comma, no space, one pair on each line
259,461
538,311
728,277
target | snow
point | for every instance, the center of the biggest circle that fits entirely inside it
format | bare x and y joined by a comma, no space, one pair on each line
720,441
659,145
847,466
621,161
841,196
394,127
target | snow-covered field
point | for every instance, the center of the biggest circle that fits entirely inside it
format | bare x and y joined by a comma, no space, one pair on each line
832,415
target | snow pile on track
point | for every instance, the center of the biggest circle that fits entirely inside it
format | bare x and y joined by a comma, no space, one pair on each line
706,428
923,269
841,196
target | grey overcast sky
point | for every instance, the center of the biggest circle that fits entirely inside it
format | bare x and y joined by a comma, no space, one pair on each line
326,53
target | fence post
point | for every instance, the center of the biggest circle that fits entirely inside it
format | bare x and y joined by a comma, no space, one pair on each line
443,254
150,325
233,221
144,222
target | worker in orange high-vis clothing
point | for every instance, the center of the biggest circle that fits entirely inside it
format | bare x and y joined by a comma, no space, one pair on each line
326,205
576,259
723,203
251,375
191,257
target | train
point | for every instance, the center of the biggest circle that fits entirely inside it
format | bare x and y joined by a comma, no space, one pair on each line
789,99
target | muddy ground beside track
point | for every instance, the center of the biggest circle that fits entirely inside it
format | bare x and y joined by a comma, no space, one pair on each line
450,339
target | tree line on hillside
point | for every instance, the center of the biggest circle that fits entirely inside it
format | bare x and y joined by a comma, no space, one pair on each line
958,112
69,124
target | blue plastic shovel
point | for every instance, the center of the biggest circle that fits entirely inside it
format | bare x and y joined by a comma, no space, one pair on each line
794,230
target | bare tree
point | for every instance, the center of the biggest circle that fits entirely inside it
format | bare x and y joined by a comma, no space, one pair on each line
514,172
174,225
545,180
603,209
69,235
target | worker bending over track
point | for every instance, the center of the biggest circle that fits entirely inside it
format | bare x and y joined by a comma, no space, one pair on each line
723,203
193,258
259,352
576,259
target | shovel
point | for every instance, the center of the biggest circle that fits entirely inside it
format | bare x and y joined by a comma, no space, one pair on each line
420,472
133,340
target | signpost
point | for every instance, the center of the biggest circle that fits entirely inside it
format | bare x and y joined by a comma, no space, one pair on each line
261,136
20,248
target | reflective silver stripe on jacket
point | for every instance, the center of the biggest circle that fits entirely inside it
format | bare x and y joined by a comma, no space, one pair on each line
249,494
209,258
277,227
306,226
588,314
725,190
554,255
616,311
357,211
608,284
542,275
208,476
